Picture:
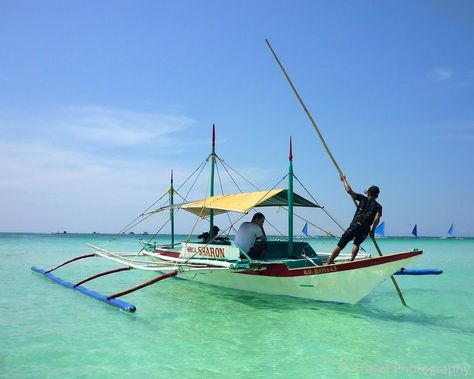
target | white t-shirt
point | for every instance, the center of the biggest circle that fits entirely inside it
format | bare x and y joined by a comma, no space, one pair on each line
247,234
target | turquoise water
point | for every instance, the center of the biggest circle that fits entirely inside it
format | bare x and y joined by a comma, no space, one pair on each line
185,329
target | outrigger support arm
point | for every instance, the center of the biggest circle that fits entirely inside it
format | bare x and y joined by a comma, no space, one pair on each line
112,299
101,274
140,286
327,151
69,261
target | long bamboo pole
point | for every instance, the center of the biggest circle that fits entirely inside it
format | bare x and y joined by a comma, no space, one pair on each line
327,151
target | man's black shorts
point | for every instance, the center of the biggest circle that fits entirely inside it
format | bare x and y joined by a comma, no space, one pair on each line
355,232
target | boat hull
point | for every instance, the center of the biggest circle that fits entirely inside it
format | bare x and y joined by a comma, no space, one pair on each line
343,283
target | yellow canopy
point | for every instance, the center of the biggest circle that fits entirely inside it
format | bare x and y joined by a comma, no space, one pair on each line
243,202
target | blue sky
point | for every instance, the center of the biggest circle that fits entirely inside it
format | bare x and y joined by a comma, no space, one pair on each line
99,100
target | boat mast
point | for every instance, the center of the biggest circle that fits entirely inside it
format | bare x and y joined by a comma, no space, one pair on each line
213,162
171,193
290,202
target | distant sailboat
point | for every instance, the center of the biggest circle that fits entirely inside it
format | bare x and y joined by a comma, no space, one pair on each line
451,231
305,230
380,230
415,231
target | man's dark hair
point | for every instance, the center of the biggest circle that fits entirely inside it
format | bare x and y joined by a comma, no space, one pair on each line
373,191
257,216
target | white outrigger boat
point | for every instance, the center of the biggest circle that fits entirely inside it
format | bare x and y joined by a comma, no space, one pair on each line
290,268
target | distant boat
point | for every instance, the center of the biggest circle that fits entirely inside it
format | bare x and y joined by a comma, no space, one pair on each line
305,230
380,230
450,233
415,231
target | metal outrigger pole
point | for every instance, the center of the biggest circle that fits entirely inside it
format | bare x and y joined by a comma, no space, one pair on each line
171,191
213,163
290,202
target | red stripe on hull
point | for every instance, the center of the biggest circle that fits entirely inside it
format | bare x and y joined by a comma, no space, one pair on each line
282,270
167,253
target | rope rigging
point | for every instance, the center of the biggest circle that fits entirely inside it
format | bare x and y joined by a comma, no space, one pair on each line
220,166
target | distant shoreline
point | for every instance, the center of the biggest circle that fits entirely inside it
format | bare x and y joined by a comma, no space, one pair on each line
148,234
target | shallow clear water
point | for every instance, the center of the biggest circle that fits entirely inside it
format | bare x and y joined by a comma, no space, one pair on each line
191,330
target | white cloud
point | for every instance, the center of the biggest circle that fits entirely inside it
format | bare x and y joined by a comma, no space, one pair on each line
44,155
463,132
45,187
51,178
28,165
114,127
450,78
54,169
440,74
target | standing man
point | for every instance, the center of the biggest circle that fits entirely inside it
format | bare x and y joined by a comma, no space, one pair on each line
249,233
366,219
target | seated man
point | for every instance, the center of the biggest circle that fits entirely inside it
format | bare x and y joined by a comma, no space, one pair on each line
249,233
206,237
